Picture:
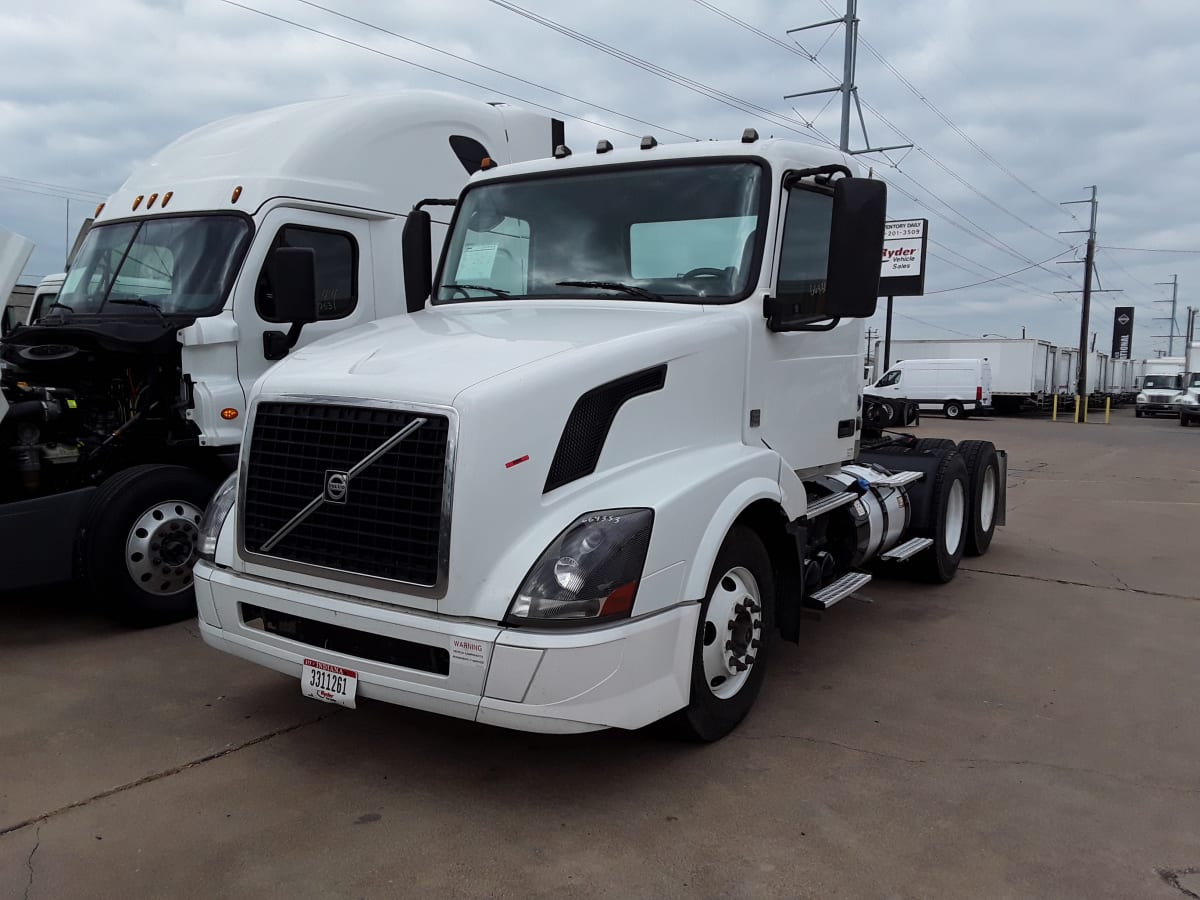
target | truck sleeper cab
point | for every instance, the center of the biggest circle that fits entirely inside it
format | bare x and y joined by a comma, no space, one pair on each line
612,449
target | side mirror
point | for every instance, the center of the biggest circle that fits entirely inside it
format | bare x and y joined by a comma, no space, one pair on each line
856,247
416,244
293,274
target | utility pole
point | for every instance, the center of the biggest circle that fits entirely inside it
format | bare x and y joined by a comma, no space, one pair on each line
847,88
1170,335
1089,262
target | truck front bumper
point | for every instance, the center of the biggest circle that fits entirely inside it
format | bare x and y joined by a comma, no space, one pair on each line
622,676
1156,408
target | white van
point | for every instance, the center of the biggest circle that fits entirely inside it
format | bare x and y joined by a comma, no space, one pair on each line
957,387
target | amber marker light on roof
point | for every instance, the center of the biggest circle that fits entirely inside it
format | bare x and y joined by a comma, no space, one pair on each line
150,202
99,209
166,199
237,192
137,201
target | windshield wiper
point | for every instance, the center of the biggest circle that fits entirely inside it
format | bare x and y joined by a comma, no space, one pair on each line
60,306
631,289
141,301
499,292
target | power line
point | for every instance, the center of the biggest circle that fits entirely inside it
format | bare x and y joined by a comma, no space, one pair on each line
46,189
463,59
731,100
1145,249
392,56
957,130
932,325
999,277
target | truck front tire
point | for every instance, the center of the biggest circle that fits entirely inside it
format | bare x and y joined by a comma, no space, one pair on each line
138,542
732,640
955,410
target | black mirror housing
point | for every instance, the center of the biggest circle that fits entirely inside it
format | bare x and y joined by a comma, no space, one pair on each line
293,274
416,244
856,247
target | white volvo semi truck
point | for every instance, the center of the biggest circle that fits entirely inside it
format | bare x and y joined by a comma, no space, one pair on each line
616,444
122,400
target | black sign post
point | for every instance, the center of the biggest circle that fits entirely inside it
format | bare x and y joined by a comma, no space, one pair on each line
1122,345
902,272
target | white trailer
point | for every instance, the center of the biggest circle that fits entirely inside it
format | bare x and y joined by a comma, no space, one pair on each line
126,401
1022,369
581,485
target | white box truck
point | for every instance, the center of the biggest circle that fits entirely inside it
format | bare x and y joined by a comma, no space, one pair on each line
1162,380
617,444
123,404
1022,369
958,388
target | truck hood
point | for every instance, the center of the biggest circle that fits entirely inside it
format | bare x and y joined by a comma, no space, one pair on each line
434,355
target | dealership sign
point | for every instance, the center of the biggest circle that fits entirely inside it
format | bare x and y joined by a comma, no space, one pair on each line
903,266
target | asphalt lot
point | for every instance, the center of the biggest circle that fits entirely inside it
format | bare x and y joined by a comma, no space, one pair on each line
1029,730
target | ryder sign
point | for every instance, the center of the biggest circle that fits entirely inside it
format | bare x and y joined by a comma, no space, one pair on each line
903,266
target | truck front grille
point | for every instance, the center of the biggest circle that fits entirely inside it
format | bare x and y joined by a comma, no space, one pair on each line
388,523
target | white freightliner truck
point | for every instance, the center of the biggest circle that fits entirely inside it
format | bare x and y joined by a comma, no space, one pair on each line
581,484
1162,380
122,404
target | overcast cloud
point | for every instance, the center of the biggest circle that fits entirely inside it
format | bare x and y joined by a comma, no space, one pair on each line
1062,94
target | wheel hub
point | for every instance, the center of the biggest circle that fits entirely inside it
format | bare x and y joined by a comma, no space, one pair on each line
732,632
161,547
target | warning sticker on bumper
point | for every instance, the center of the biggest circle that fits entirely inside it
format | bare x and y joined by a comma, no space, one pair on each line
469,653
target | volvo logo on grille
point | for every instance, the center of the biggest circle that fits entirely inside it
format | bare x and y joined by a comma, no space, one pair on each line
337,486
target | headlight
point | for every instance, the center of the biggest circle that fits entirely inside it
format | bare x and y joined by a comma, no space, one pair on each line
589,573
1189,399
214,517
1142,398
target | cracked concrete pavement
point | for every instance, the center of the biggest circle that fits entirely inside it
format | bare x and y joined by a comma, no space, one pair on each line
1027,731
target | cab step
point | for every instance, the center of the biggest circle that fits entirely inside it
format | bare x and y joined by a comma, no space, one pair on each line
840,589
907,550
830,502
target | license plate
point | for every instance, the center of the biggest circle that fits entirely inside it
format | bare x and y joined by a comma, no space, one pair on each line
328,683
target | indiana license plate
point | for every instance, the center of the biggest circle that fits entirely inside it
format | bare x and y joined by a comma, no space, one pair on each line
328,683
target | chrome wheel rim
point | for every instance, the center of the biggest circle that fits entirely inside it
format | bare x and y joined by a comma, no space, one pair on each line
732,632
987,498
956,512
161,547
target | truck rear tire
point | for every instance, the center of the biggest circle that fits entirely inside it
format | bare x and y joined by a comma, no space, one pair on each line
732,640
983,480
935,444
955,410
949,520
138,542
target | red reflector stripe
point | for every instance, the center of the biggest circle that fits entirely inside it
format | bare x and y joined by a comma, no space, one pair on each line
516,462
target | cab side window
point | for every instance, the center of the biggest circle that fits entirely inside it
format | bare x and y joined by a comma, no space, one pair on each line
336,271
892,377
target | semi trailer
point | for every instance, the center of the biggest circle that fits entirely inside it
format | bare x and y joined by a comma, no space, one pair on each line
122,401
614,446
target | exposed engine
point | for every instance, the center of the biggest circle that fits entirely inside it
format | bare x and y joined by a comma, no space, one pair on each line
82,402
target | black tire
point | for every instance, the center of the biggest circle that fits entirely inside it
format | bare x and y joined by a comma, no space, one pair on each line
983,479
167,498
1137,413
935,444
708,717
954,410
950,491
1183,420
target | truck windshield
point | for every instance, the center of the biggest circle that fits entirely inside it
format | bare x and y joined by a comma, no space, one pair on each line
1169,382
180,264
685,233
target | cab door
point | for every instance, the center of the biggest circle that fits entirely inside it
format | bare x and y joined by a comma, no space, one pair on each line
344,281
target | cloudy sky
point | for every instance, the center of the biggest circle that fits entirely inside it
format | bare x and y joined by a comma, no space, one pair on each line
1013,106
